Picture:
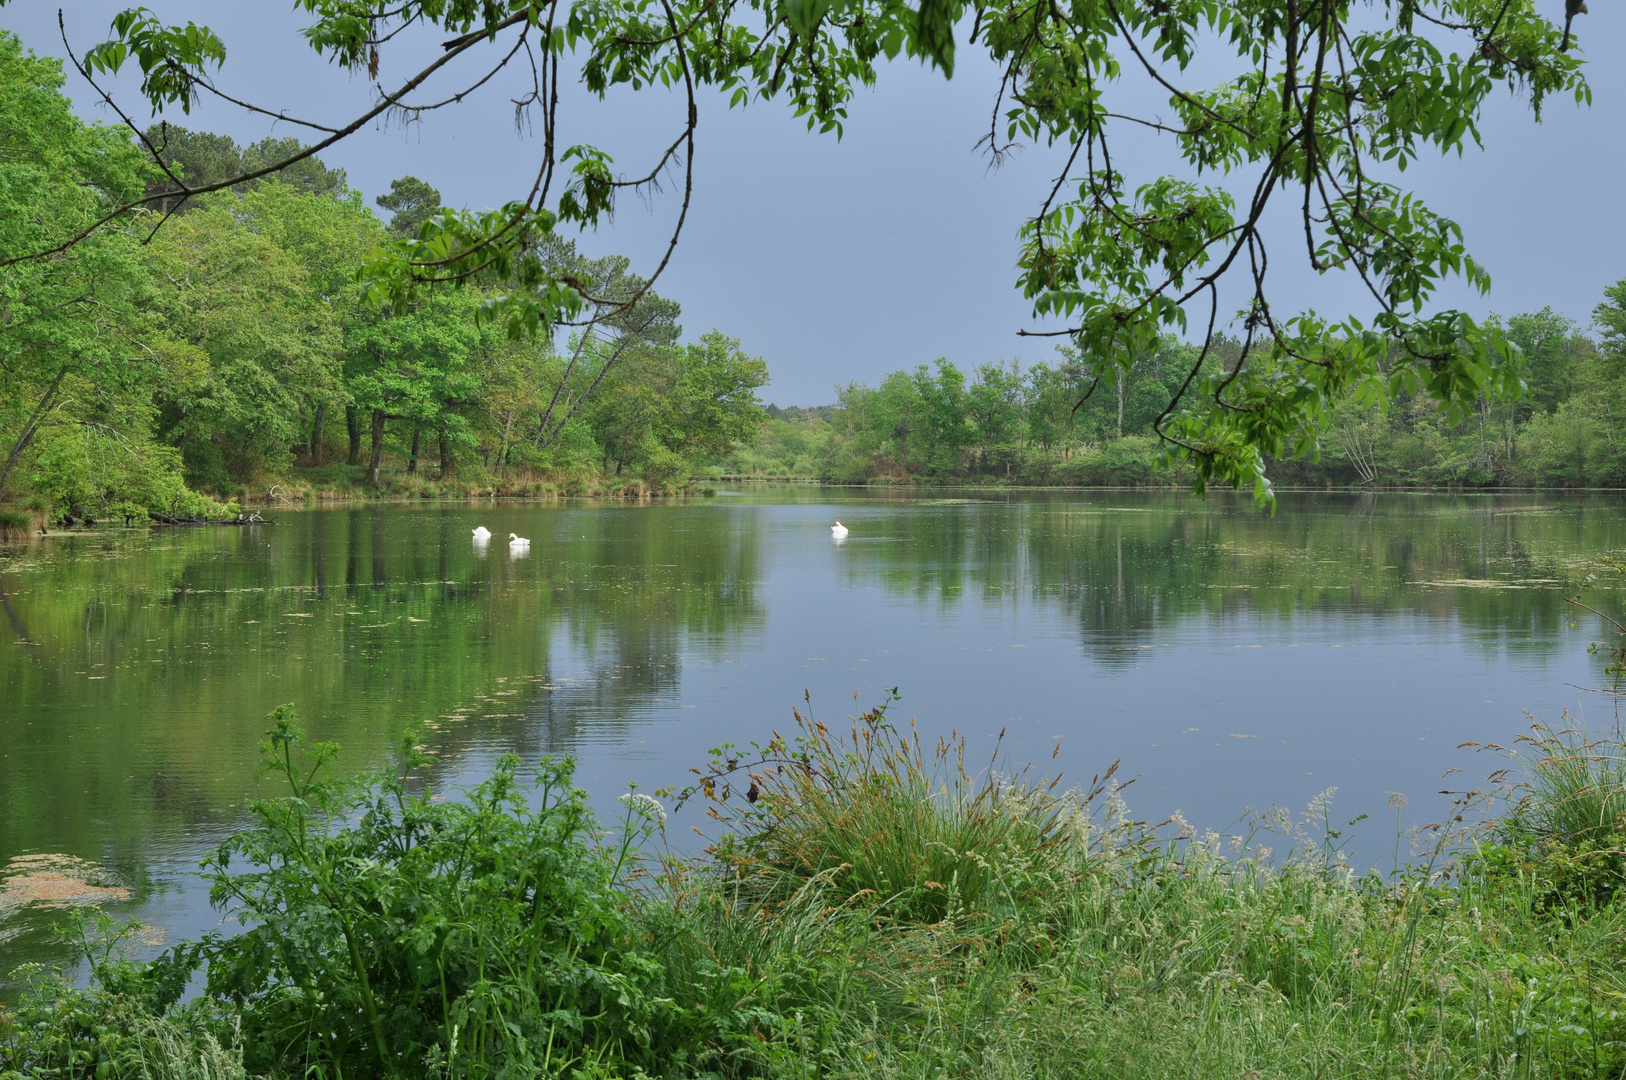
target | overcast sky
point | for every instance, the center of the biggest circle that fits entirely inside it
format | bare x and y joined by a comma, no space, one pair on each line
843,260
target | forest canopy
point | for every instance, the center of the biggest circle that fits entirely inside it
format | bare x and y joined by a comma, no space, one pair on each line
141,368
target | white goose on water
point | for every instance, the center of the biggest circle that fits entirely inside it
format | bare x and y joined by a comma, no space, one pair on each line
839,531
518,543
482,534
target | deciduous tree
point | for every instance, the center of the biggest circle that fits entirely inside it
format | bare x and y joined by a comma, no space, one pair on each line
64,321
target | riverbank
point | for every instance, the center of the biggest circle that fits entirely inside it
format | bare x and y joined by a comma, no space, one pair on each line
870,908
346,483
306,487
330,485
973,483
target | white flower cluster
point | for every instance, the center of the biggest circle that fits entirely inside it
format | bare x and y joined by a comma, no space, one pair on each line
645,807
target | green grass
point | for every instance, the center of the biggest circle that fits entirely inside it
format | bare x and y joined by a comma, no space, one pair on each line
877,818
1079,943
1576,791
871,907
15,524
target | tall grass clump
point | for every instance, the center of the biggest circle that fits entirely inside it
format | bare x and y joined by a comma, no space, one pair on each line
907,831
1563,823
37,506
1575,788
906,917
15,524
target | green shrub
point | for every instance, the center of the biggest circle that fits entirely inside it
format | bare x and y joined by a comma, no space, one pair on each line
192,505
1130,460
63,1031
132,513
126,1023
660,466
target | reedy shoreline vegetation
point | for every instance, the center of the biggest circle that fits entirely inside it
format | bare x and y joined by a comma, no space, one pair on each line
872,907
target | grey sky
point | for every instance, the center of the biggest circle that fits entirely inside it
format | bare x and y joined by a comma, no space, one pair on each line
841,261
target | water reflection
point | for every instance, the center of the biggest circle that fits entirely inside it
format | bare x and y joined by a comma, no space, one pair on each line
1497,566
139,668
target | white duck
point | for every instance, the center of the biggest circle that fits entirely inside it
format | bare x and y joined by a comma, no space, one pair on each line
482,534
839,531
518,543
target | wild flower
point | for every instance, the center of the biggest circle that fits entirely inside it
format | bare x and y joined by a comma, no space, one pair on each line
645,806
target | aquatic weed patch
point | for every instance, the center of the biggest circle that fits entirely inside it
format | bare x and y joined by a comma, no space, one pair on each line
50,879
45,881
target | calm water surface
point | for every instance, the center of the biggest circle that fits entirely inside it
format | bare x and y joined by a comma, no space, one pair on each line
1231,660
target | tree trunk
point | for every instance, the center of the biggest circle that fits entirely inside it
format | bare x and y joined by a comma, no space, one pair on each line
502,451
447,464
29,428
352,421
564,380
378,445
314,447
417,441
1123,379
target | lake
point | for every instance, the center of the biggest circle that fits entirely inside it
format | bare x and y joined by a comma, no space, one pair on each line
1228,658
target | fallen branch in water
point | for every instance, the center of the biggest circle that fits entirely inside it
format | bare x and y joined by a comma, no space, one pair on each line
240,519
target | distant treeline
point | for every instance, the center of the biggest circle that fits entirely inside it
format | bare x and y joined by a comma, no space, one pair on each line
231,348
1068,422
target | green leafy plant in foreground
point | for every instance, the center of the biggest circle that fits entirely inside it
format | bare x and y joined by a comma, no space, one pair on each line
126,1023
387,933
